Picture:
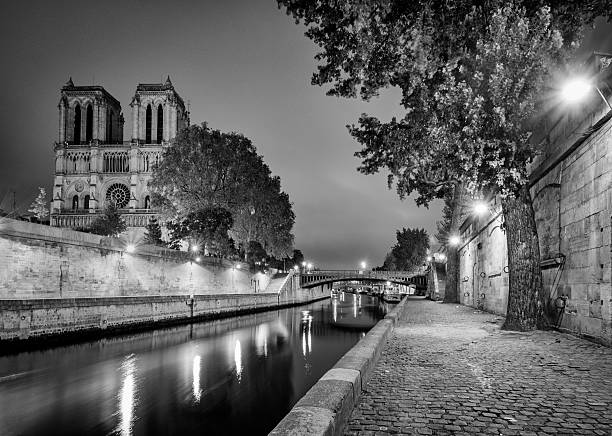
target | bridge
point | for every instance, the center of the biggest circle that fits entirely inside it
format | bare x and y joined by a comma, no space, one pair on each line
317,278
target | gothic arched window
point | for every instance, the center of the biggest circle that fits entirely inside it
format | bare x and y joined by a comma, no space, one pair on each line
86,202
89,124
147,204
109,129
160,124
77,124
75,202
149,117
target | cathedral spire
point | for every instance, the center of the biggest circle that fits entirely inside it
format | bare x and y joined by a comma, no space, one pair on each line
70,83
168,82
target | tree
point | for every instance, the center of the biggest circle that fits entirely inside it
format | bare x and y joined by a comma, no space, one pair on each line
207,228
109,223
472,75
39,207
410,250
153,234
206,169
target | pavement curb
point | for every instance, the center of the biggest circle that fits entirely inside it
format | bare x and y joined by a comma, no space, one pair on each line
327,406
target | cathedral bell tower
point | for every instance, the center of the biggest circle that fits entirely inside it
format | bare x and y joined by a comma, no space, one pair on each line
158,113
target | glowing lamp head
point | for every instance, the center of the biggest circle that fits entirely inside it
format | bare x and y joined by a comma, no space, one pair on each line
197,259
442,257
363,265
454,240
575,90
303,263
309,266
295,267
480,208
238,266
130,248
429,258
195,248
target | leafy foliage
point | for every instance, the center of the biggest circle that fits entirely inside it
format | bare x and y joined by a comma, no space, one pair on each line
409,252
207,227
207,170
470,73
109,223
39,207
153,234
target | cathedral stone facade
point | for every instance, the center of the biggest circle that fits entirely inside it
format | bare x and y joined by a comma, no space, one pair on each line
94,165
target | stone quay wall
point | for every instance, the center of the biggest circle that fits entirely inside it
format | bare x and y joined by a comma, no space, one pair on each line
45,318
39,261
55,281
571,188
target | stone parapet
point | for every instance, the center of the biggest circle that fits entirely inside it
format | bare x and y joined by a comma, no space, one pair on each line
40,319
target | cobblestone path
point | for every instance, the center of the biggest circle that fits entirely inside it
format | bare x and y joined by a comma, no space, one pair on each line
449,369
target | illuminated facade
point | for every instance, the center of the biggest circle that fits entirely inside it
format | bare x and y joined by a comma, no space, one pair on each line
94,165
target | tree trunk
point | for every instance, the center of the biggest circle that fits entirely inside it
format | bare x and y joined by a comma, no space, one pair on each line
451,291
526,294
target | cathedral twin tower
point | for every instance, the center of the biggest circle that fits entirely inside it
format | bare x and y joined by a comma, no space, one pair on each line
94,166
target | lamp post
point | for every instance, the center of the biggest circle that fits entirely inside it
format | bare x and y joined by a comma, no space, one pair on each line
577,89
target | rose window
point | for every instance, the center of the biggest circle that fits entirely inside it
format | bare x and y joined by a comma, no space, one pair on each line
119,194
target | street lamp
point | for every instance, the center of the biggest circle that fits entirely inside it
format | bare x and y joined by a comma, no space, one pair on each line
197,259
194,248
480,208
429,258
295,267
578,88
130,248
363,265
454,240
309,266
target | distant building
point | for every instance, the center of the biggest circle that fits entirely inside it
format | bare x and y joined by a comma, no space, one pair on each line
93,165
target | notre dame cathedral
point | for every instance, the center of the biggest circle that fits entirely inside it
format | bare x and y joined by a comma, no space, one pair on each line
94,165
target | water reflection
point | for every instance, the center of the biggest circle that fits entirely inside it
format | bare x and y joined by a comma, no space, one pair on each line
197,390
127,395
238,359
219,377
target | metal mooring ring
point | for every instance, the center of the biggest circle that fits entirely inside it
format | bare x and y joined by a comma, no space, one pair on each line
506,269
482,295
483,275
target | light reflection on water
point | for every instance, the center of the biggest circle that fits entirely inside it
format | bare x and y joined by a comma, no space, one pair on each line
234,376
197,389
127,395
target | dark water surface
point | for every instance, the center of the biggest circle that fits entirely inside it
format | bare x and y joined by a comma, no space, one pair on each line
238,375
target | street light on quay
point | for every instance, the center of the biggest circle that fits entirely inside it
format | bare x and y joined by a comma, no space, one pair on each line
576,89
309,266
454,240
363,265
480,208
194,248
130,248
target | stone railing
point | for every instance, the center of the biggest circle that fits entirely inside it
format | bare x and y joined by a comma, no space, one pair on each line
81,218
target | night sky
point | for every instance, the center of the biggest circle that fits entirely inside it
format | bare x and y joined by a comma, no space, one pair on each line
244,66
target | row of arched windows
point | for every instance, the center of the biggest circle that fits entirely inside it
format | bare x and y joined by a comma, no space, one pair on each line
116,162
86,199
88,124
78,137
78,162
149,124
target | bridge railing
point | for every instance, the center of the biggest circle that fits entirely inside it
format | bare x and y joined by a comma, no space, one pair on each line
367,274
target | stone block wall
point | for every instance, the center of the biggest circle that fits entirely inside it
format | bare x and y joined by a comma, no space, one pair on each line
572,200
47,262
483,272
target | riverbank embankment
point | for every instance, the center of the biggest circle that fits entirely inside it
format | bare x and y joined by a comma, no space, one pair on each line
56,282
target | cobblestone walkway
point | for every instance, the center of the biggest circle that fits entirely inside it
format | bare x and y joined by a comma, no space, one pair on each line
449,369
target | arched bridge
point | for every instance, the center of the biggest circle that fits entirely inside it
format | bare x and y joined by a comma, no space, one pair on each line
317,278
